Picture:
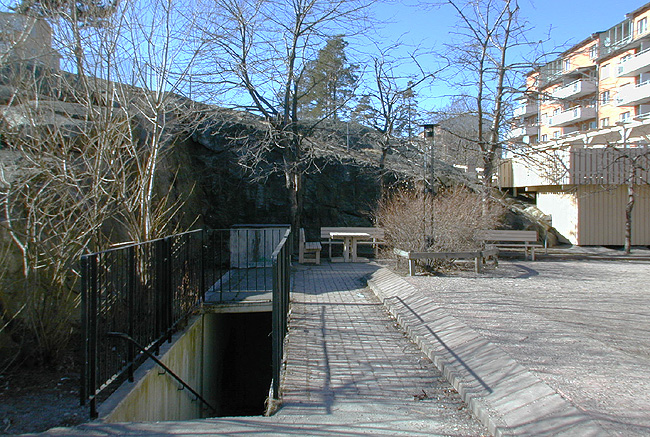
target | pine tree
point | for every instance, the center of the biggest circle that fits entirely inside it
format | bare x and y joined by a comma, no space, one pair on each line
329,82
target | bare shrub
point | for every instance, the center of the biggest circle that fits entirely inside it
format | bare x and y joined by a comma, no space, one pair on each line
402,215
458,216
90,150
447,222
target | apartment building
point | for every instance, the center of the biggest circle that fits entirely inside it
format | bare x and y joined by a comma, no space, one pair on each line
596,83
25,39
586,119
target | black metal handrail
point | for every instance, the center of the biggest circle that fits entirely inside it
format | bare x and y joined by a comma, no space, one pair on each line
161,364
281,293
147,290
144,290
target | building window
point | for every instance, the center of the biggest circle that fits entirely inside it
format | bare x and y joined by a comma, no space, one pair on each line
593,124
642,26
621,64
556,134
604,122
567,64
604,71
625,116
593,51
604,97
544,137
556,111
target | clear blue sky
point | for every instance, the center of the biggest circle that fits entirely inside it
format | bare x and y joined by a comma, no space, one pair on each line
566,21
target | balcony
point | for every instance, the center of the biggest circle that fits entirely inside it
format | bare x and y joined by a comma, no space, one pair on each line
518,133
573,116
574,90
632,95
525,109
635,65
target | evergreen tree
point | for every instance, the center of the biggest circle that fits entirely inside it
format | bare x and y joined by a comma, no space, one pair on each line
329,82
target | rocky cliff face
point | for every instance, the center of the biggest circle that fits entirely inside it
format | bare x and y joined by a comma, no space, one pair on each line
336,192
204,170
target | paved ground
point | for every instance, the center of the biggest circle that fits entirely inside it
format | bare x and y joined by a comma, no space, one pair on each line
347,362
582,327
553,347
351,371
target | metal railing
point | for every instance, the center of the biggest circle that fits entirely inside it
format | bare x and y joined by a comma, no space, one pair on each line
281,291
162,365
146,290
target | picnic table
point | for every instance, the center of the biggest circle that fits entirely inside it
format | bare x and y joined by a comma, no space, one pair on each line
350,243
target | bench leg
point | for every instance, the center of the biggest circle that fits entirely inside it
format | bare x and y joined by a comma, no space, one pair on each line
318,257
478,261
532,253
411,267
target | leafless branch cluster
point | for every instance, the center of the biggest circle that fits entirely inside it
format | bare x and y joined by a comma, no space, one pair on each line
87,152
260,50
448,222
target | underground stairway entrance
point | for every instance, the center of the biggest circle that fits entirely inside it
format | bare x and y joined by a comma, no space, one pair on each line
226,357
195,322
241,384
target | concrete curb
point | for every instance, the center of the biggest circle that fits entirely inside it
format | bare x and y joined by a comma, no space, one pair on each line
502,394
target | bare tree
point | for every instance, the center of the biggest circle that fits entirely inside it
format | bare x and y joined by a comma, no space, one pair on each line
488,32
387,103
636,162
90,154
162,48
261,48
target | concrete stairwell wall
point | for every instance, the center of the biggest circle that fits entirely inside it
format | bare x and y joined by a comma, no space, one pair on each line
154,395
224,356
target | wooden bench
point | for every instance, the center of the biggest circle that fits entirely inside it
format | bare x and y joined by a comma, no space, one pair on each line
512,239
376,237
308,248
480,257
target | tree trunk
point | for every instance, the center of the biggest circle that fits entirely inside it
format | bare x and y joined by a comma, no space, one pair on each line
628,213
294,185
382,165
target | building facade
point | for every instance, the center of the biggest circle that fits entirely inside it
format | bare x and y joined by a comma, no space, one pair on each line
584,124
25,39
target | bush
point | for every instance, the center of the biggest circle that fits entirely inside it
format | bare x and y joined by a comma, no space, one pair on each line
447,222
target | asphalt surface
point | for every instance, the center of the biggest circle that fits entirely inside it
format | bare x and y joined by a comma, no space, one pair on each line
580,326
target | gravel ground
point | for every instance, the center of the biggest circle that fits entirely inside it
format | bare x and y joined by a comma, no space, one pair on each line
34,400
583,327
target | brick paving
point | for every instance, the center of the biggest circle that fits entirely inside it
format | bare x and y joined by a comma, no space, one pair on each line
348,362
